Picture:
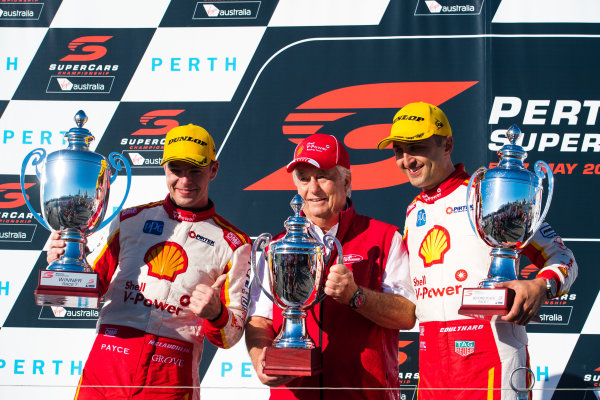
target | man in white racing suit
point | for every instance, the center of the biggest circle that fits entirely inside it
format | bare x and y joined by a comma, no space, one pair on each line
445,256
172,273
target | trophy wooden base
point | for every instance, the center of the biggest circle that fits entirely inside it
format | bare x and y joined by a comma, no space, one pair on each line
289,361
68,289
485,302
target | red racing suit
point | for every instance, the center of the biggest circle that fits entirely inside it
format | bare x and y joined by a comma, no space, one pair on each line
356,352
149,263
445,257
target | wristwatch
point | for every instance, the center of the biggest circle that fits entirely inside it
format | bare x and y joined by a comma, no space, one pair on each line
551,288
358,299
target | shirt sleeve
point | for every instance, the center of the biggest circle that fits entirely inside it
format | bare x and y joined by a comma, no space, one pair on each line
260,304
396,277
228,328
556,261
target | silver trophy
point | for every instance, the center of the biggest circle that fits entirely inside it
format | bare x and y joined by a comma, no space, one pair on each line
296,272
75,184
504,207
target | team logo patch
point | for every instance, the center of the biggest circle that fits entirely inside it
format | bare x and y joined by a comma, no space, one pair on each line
461,275
421,218
435,245
201,238
352,258
166,260
547,231
153,227
464,347
111,331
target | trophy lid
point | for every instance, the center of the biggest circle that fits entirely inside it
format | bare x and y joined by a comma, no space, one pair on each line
296,225
511,154
511,157
79,137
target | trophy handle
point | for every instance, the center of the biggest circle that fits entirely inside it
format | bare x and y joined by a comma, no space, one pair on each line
471,211
522,393
260,243
330,242
40,155
539,168
113,158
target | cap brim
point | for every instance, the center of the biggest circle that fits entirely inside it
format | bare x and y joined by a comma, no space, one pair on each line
290,167
385,142
187,160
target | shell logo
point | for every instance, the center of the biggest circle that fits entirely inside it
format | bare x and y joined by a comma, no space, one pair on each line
435,245
166,260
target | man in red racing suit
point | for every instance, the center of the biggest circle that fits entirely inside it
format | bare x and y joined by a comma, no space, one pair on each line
458,352
172,272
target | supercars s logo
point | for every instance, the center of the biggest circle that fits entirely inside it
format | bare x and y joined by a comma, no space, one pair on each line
529,271
86,49
402,356
156,124
321,114
166,260
435,245
11,196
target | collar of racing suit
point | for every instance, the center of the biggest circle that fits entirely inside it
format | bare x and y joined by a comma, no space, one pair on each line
180,214
447,186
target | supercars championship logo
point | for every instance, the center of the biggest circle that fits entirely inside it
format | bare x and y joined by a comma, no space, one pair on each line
145,145
81,70
16,224
317,116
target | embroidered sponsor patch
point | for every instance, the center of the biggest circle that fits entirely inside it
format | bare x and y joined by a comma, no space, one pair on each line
421,218
547,231
352,258
153,227
464,347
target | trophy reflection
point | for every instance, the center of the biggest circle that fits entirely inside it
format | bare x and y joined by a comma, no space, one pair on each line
296,273
504,207
75,185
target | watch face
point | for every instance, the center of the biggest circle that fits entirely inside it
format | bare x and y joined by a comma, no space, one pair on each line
359,300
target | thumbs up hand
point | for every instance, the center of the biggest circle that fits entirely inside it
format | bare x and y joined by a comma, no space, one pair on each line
206,302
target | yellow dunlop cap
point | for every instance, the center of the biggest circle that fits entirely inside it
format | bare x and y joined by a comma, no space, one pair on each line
189,143
417,121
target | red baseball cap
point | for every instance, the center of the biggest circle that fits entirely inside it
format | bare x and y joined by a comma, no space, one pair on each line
322,151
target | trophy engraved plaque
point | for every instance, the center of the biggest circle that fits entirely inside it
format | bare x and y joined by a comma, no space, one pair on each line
295,268
504,207
74,191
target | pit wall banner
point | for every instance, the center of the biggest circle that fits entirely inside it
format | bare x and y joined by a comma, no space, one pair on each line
262,75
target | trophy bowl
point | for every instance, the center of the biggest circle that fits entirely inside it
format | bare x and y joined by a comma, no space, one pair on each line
74,192
296,273
504,207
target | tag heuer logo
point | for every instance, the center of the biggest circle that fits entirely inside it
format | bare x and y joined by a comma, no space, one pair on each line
464,348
